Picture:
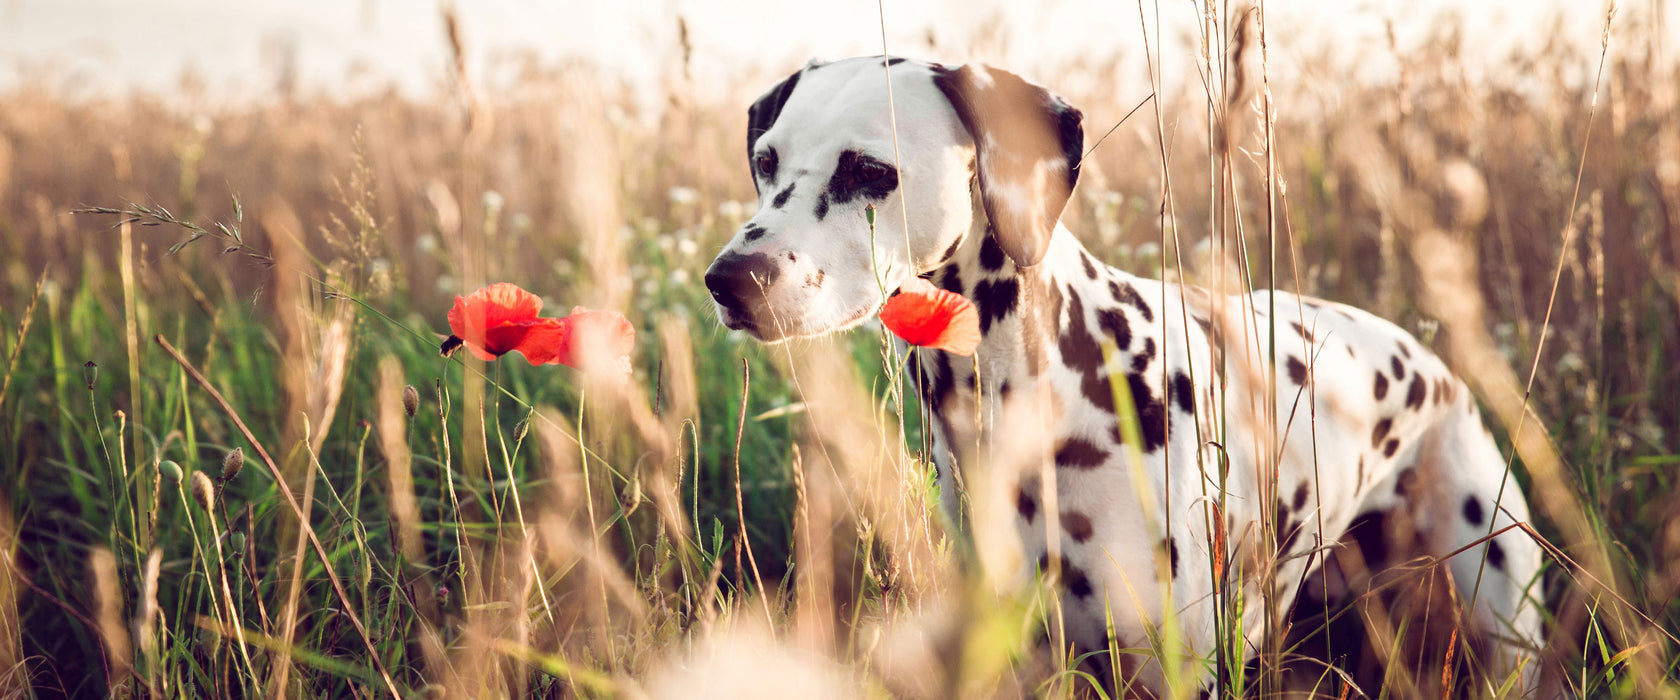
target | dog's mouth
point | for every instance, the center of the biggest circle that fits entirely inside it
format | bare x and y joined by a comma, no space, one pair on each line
776,328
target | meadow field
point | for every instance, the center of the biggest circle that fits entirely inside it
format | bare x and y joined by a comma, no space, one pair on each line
183,279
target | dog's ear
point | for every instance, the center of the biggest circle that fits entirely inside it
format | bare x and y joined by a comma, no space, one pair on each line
1027,144
763,113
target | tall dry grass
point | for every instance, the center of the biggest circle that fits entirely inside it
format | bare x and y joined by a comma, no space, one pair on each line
525,532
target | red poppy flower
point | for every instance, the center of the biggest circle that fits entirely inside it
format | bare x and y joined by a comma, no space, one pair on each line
925,315
598,340
502,318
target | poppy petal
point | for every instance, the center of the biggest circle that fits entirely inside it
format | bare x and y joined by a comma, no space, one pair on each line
544,341
502,318
927,316
600,340
492,321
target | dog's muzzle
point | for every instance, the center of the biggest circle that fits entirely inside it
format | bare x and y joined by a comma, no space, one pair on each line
739,284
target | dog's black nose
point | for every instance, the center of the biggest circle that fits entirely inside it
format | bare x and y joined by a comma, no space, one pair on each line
739,282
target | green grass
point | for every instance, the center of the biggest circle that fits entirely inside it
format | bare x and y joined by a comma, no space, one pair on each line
533,562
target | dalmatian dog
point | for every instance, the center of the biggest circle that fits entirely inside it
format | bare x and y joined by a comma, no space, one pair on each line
1372,434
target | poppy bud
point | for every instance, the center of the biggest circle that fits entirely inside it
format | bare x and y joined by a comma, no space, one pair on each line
90,372
203,491
411,400
232,463
521,429
236,542
170,471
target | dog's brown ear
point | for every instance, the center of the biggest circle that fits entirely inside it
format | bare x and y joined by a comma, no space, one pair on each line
763,113
1027,144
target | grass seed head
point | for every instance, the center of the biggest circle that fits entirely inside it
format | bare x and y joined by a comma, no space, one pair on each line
232,463
171,471
410,400
203,491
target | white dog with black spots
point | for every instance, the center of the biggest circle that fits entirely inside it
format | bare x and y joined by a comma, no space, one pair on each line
1371,428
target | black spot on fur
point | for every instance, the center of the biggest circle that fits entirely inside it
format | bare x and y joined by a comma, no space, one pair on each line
991,254
1183,392
1081,352
1076,581
752,232
1370,533
1096,388
1299,501
1025,503
1171,546
782,197
1403,350
1090,269
1359,476
1079,453
1114,324
1379,433
1496,555
1417,392
1077,525
1381,388
1079,348
1398,367
1302,330
996,299
1151,413
1141,360
822,207
1297,371
858,176
1390,447
951,280
1473,510
1127,294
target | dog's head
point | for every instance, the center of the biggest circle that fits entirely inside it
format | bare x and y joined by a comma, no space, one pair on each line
973,145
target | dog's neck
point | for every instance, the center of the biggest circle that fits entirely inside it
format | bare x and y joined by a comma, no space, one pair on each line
1020,311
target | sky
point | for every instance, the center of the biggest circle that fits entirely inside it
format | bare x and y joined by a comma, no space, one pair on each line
239,48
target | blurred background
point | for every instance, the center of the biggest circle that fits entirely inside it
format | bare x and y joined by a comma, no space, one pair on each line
401,152
250,50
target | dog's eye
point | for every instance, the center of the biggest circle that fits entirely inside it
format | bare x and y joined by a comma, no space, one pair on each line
870,172
766,164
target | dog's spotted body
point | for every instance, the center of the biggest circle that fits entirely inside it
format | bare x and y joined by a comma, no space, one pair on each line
1370,426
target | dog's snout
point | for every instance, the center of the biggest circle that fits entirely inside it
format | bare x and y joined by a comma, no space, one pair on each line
739,282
